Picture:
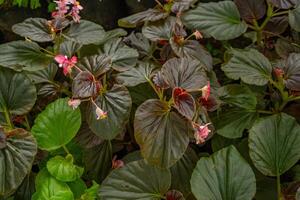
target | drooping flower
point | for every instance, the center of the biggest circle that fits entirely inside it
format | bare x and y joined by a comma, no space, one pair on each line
100,114
75,10
117,163
62,8
201,132
206,91
65,63
278,72
74,103
198,35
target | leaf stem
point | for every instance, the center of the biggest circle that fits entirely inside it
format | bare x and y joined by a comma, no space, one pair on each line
66,149
7,118
278,187
159,94
280,13
27,125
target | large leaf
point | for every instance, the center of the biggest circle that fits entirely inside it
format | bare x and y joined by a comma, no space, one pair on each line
96,64
97,161
57,125
136,75
63,169
139,42
17,92
46,75
220,20
238,95
23,53
274,144
179,6
26,189
284,4
249,65
86,32
162,134
149,15
294,17
224,175
117,103
48,188
185,73
84,85
16,158
36,29
122,56
251,9
232,123
136,180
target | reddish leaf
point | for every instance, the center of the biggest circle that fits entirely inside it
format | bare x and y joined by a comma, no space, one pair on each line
184,102
85,85
174,195
251,9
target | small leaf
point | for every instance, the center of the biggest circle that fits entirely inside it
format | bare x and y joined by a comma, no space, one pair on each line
294,17
56,126
284,4
63,169
78,188
36,29
136,180
276,26
274,144
85,85
179,6
249,65
185,73
117,103
220,20
23,53
91,193
96,64
69,48
136,75
184,103
284,48
16,159
251,9
174,195
17,92
216,177
161,134
149,15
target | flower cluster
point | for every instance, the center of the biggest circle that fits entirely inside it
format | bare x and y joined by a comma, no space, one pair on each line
201,132
66,63
67,8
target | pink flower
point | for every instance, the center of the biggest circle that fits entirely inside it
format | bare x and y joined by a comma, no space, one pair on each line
198,35
278,72
117,163
62,7
100,113
201,132
206,91
65,63
74,103
75,11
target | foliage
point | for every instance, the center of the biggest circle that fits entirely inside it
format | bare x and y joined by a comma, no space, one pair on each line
199,101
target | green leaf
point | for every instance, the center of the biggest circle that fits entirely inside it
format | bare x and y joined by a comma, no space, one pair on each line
63,169
139,42
46,75
97,161
36,29
294,17
17,92
69,48
232,123
238,95
224,175
122,56
24,53
16,159
149,15
160,30
26,189
249,65
136,75
251,9
78,188
274,144
48,188
219,142
284,4
220,20
96,64
91,193
56,126
85,32
161,134
185,73
136,180
117,103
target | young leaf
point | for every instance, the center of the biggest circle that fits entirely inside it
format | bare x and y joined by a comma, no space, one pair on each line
117,103
249,65
220,20
17,92
294,17
36,29
216,177
251,9
56,126
274,144
78,188
16,159
174,195
63,169
184,102
162,134
136,180
24,53
90,193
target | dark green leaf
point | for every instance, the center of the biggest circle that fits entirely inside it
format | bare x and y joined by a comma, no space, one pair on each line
16,160
219,142
117,103
26,189
36,29
90,193
249,65
139,42
224,175
274,144
57,125
294,17
284,48
251,9
86,138
17,92
136,180
160,30
23,53
220,20
96,64
78,188
179,6
69,48
44,75
162,134
284,4
84,85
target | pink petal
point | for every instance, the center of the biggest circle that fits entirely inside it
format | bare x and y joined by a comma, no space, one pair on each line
61,59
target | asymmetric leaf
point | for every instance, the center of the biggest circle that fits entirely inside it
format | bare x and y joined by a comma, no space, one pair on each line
96,64
251,9
294,17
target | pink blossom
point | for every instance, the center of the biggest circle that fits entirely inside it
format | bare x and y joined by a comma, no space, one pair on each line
100,113
62,7
201,132
74,103
198,35
75,11
117,163
206,91
65,63
278,72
